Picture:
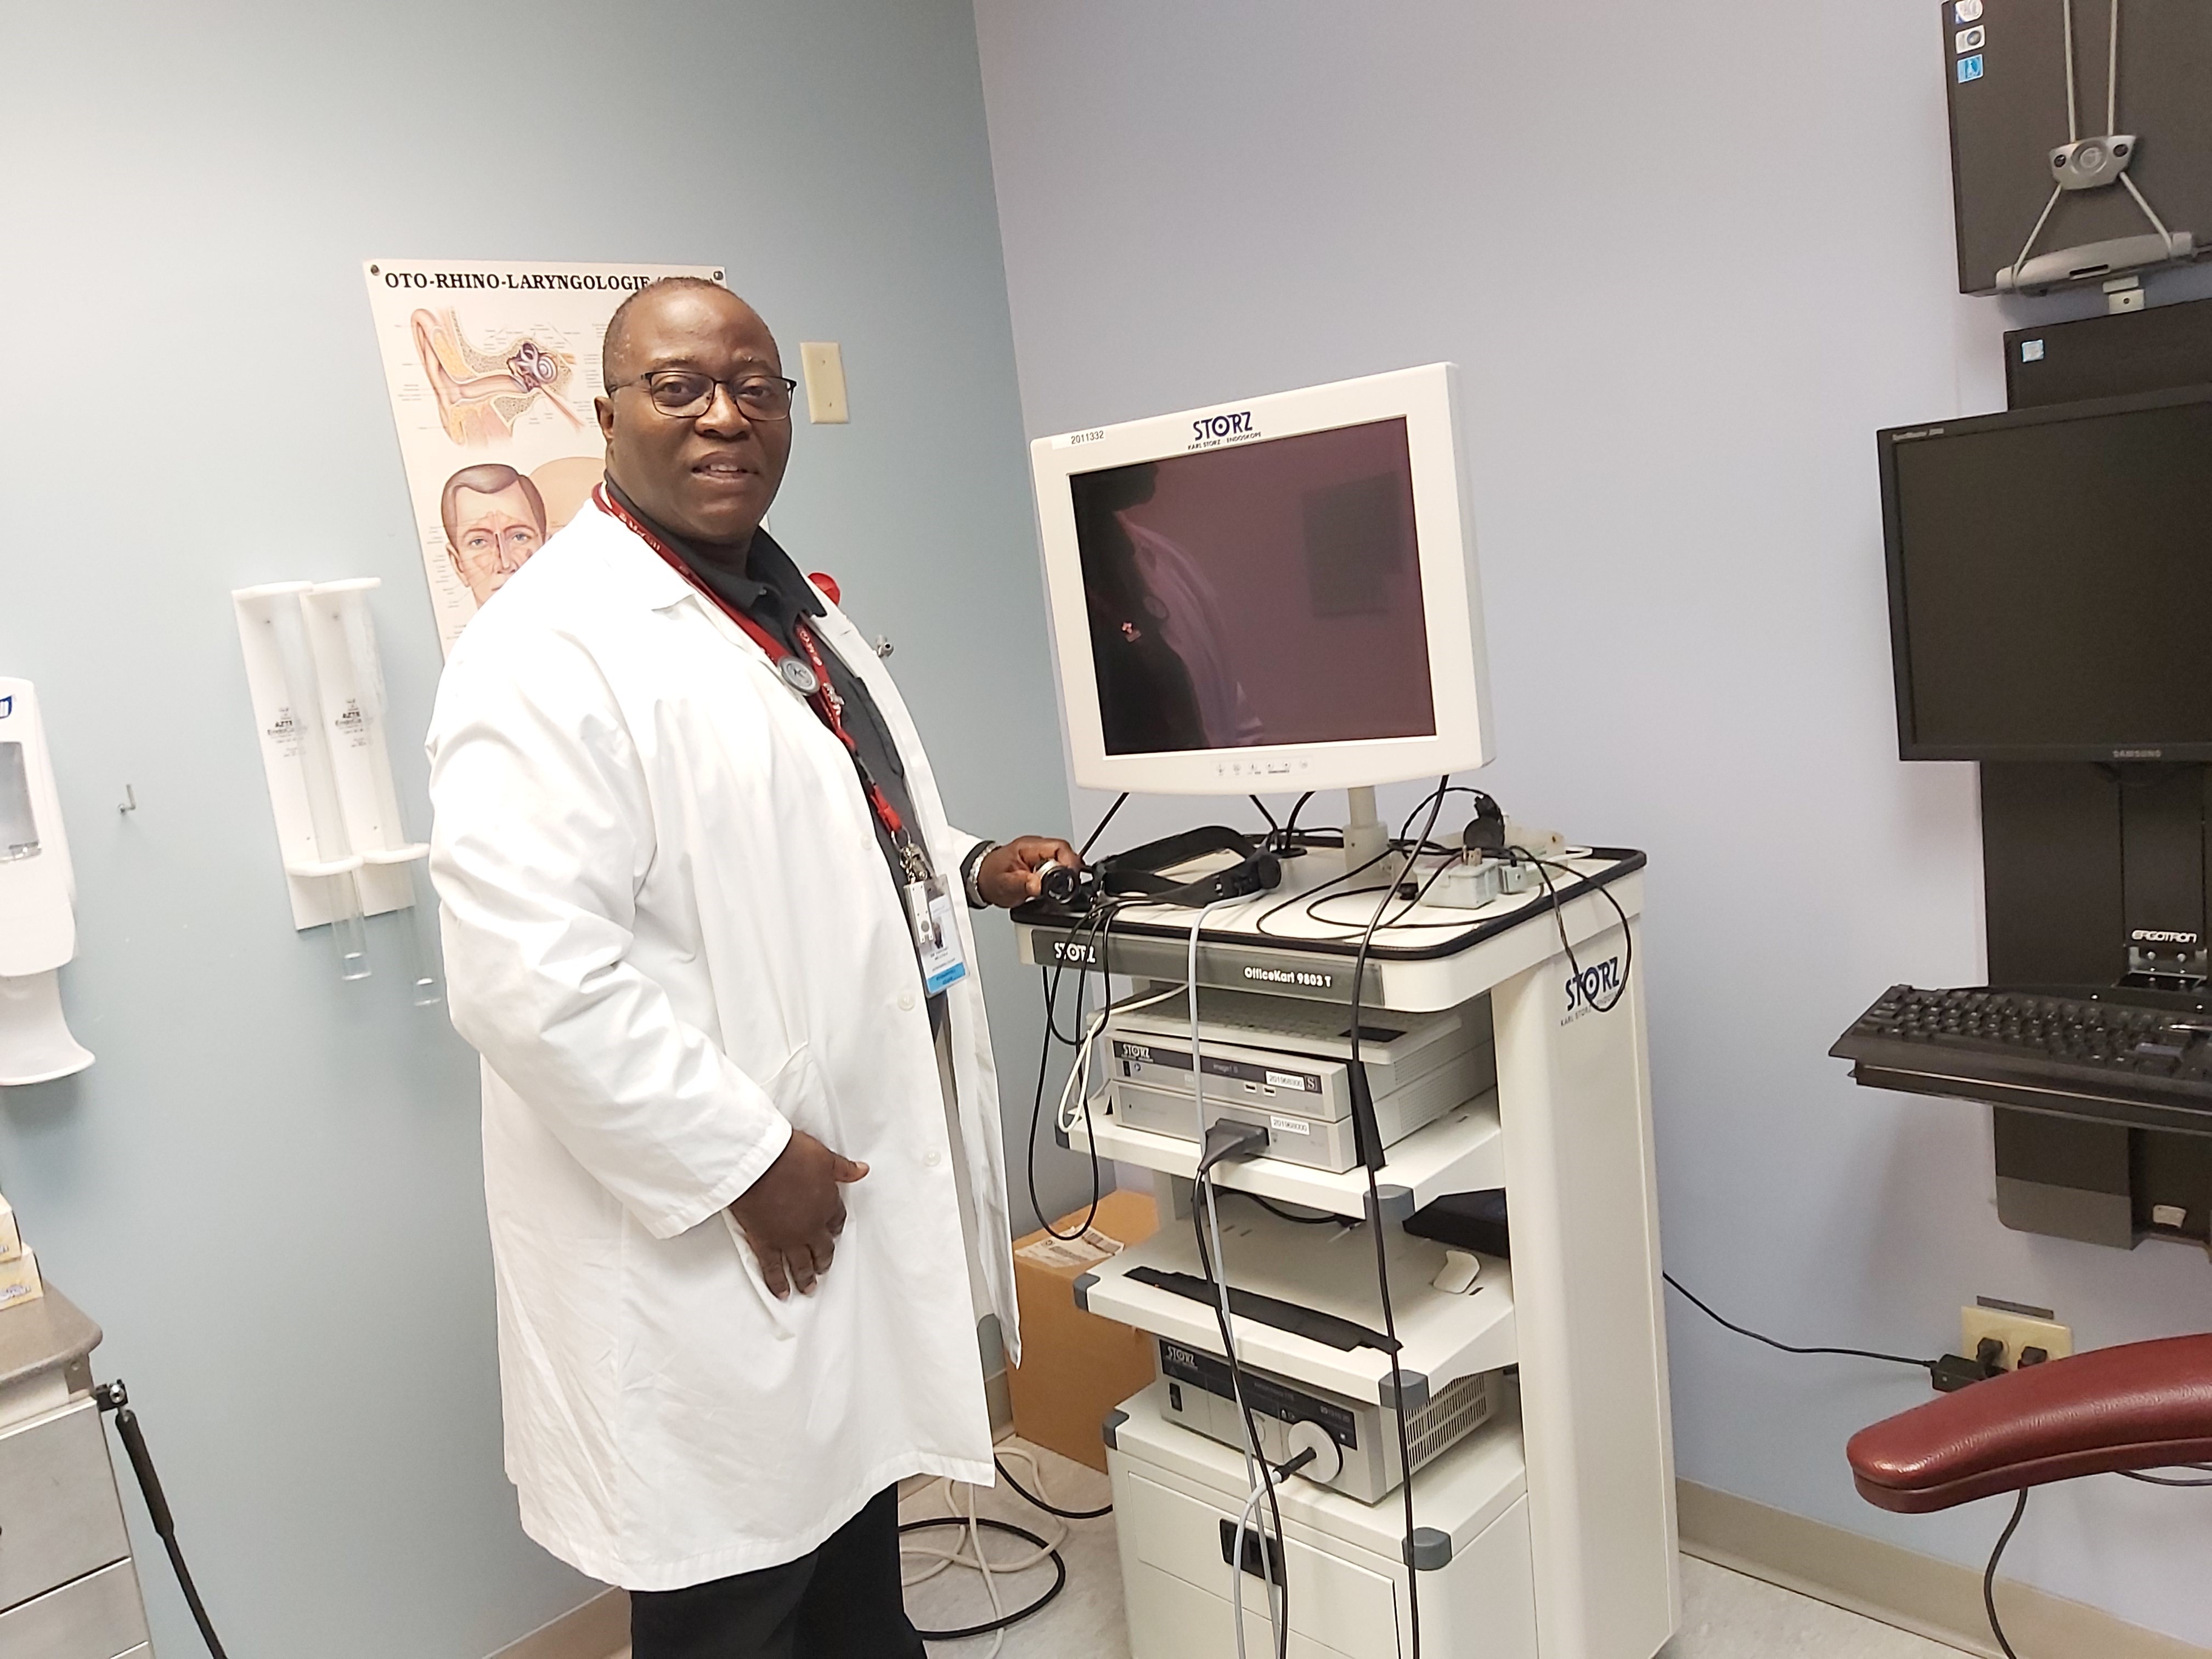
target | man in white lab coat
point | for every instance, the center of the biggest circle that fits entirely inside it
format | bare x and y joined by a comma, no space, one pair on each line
683,828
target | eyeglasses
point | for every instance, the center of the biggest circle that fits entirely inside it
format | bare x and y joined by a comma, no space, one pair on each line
685,393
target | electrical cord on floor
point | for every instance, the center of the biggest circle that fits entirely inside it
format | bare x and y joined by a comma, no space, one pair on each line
968,1554
1989,1576
114,1397
1020,1491
1684,1291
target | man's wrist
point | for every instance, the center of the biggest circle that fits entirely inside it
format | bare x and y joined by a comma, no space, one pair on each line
971,869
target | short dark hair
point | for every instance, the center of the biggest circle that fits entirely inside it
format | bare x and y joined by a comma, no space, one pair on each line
616,336
489,478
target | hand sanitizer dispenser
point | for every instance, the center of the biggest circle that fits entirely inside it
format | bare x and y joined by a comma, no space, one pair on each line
37,924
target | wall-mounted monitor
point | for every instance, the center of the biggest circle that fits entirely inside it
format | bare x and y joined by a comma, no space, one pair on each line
1277,593
2051,581
2081,137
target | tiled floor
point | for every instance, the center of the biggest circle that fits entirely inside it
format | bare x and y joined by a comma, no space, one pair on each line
1725,1615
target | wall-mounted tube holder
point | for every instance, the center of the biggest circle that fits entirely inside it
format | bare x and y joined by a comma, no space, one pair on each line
318,689
38,899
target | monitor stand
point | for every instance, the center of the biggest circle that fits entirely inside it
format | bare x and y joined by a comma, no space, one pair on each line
2094,875
1366,834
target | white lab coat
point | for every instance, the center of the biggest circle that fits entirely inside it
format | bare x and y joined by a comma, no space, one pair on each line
669,932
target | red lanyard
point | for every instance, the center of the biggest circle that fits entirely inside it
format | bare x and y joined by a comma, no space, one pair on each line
827,706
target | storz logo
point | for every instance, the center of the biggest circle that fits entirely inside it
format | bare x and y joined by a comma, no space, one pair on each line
1595,986
1068,950
1221,429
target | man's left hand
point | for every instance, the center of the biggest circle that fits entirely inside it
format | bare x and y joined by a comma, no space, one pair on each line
1007,874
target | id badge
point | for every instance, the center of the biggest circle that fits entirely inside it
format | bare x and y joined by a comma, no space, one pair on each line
936,934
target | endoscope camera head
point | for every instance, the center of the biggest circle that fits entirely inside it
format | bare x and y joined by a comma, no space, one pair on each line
1065,886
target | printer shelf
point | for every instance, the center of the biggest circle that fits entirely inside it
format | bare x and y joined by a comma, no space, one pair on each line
1327,1271
1462,1152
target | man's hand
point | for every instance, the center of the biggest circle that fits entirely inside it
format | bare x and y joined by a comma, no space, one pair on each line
792,1214
1007,874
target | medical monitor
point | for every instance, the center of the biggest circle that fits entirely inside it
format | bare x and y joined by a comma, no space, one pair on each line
2051,581
1273,594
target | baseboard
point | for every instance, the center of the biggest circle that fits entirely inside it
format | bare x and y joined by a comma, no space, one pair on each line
598,1630
1939,1600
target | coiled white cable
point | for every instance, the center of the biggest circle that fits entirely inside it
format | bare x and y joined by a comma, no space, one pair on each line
969,1551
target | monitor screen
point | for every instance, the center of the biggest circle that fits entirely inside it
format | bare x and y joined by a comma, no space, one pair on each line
2051,578
1259,595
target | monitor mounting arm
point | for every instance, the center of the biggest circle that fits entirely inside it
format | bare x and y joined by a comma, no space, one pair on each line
2094,163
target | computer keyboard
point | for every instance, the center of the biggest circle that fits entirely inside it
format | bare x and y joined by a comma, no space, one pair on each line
2147,1055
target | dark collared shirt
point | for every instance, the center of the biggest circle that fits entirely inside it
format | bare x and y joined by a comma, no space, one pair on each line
770,589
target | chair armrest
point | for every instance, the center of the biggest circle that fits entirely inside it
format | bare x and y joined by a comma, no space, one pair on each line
2139,1405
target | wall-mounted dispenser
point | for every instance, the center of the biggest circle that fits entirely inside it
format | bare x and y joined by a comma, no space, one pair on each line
318,689
38,896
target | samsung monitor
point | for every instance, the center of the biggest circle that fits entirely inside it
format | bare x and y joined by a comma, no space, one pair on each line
2051,581
1273,594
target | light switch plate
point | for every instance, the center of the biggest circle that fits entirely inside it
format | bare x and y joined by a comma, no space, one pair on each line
822,363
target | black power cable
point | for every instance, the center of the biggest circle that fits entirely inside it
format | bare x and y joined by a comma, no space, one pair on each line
1990,1575
1684,1291
1096,923
114,1397
1099,828
1007,1475
2165,1480
993,1626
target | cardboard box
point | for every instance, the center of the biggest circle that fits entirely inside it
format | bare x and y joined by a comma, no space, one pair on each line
1076,1367
19,1280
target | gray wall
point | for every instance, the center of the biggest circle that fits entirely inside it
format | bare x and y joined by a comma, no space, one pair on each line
1689,257
268,1188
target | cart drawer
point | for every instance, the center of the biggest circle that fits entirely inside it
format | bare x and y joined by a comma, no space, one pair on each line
1336,1606
98,1617
59,1517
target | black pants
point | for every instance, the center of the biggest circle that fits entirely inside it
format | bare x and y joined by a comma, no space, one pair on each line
841,1602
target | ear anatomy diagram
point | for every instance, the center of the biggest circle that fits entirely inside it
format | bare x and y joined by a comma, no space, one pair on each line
480,395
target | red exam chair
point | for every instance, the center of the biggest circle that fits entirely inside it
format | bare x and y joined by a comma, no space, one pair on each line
2139,1405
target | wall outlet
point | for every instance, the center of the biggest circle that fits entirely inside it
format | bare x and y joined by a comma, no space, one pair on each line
822,363
2016,1326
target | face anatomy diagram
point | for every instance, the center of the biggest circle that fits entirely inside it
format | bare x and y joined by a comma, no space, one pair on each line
480,395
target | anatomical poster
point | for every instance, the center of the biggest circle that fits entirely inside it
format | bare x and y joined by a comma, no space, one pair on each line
492,369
